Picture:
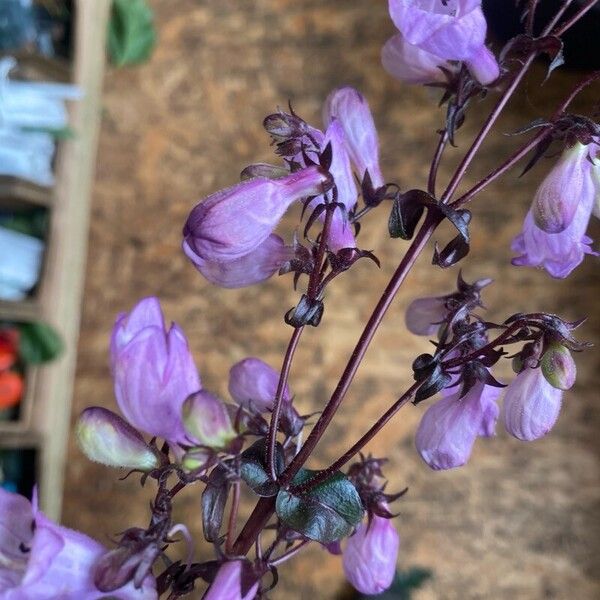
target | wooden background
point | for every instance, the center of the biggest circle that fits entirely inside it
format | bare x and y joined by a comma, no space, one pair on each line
521,520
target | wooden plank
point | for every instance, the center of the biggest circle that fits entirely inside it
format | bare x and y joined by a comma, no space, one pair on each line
62,288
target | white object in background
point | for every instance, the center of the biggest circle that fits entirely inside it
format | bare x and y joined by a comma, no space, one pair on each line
27,105
20,263
27,155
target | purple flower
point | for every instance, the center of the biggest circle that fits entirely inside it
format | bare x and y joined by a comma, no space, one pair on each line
411,64
233,222
447,29
556,200
350,108
207,421
106,438
449,427
370,556
424,315
43,561
558,253
253,382
153,371
230,584
341,233
255,267
531,405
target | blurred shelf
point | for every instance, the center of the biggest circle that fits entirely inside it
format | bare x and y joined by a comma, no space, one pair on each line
18,190
46,412
25,310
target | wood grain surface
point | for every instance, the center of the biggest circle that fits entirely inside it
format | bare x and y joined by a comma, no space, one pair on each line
521,520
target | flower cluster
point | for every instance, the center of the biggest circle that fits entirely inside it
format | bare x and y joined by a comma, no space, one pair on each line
469,405
255,444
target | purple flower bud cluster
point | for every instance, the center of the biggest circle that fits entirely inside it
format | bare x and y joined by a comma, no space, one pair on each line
433,35
230,237
469,407
554,232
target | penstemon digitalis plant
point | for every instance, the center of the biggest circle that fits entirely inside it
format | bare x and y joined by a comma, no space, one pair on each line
254,446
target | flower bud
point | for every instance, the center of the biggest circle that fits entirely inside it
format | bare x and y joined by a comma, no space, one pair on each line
263,170
531,405
449,428
106,438
558,367
424,315
252,382
451,30
233,222
153,371
257,266
560,193
351,109
231,583
411,64
370,556
207,420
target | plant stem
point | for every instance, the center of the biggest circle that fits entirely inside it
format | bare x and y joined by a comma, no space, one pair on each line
264,509
371,327
568,24
360,444
235,503
500,170
283,378
287,555
437,158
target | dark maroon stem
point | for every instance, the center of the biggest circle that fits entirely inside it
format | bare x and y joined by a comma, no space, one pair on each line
499,171
568,24
235,503
360,444
283,378
437,159
371,327
264,509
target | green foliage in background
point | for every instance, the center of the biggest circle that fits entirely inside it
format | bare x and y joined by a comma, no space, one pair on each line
38,343
131,32
405,583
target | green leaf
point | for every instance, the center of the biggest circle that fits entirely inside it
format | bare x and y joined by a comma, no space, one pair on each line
253,468
63,133
38,343
327,513
131,32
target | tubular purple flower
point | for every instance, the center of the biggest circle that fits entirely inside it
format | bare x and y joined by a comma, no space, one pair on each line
531,405
42,560
207,421
558,253
255,267
351,109
596,182
424,315
253,382
448,29
233,222
229,584
106,438
411,64
448,429
558,196
370,556
341,169
341,233
153,371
